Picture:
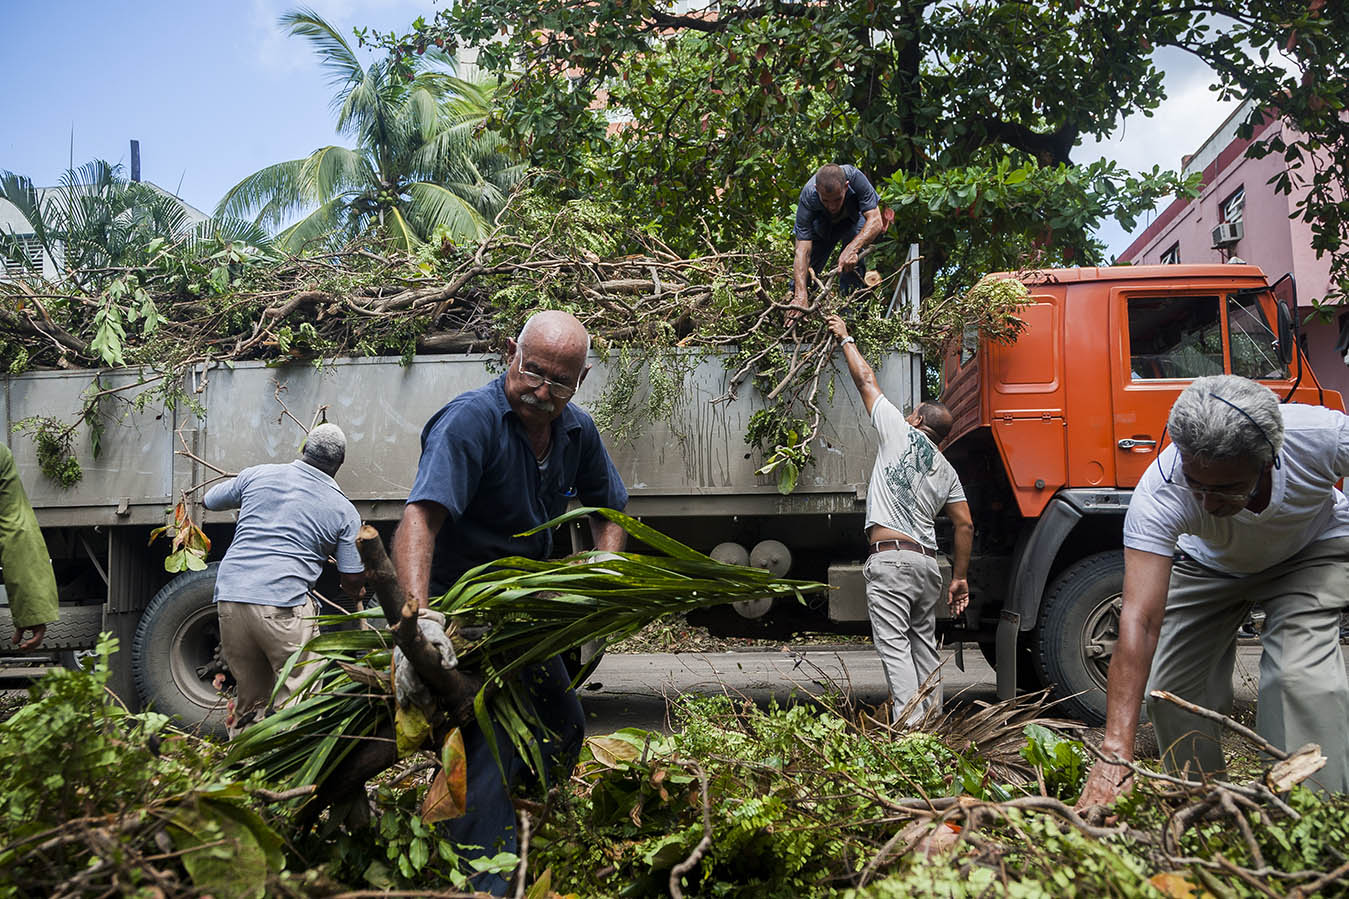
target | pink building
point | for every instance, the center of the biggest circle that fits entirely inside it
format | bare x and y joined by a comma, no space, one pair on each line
1238,215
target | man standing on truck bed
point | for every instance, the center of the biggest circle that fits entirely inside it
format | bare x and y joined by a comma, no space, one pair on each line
837,205
29,581
292,518
498,461
910,483
1240,511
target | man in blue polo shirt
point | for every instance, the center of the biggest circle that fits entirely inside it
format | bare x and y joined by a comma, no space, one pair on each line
497,461
837,205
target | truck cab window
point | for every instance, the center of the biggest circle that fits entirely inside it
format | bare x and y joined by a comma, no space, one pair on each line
1174,338
1253,342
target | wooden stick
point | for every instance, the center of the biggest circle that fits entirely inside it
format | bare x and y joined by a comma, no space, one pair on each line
455,688
1266,746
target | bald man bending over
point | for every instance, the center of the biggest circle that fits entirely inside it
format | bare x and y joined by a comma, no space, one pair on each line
495,462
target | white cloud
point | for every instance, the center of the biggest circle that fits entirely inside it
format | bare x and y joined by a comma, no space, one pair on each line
1184,120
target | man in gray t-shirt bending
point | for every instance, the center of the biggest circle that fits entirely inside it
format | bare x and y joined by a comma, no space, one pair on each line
911,483
291,519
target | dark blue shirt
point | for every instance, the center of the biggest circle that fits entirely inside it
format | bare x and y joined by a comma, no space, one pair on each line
477,462
813,221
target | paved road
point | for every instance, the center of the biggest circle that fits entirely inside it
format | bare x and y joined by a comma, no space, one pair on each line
632,690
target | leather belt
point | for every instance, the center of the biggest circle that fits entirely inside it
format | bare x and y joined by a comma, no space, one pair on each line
887,545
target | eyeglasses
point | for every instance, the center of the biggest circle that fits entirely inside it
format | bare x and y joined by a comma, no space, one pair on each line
1202,492
536,380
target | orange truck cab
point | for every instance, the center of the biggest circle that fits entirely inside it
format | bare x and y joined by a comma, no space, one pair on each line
1052,433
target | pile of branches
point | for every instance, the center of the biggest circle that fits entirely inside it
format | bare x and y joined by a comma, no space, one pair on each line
801,802
817,799
645,306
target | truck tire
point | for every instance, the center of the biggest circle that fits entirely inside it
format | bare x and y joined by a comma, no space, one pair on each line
177,635
1079,624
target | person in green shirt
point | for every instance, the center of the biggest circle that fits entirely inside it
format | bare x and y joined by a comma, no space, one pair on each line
27,567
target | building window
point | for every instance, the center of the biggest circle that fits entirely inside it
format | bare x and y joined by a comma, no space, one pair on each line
1233,205
20,254
1172,255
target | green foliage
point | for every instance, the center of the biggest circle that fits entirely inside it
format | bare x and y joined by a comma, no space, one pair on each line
90,794
1037,859
785,783
189,544
1061,764
784,443
55,452
95,220
733,105
1013,215
398,850
534,610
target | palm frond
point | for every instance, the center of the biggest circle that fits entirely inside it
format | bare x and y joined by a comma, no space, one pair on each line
434,205
533,610
401,230
318,227
215,232
274,193
19,190
336,56
330,171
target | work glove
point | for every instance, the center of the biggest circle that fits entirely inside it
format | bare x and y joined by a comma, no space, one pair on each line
409,689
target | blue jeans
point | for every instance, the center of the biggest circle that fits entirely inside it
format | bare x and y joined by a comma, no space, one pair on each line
827,237
489,822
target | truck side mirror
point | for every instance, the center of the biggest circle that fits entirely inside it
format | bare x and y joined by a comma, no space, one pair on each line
1286,339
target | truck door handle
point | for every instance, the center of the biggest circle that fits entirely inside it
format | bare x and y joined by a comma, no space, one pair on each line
1129,443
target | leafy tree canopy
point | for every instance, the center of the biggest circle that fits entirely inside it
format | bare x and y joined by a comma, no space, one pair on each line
967,112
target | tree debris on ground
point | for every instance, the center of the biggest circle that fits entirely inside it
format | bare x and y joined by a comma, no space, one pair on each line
817,799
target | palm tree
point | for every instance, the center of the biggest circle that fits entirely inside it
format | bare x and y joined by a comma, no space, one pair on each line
422,159
95,218
96,221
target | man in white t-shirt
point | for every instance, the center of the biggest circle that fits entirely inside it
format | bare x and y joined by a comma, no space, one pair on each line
1241,510
911,483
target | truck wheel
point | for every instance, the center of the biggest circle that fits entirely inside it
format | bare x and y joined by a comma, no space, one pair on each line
1079,625
177,638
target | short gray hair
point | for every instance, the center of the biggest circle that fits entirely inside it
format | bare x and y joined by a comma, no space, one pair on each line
1227,417
325,447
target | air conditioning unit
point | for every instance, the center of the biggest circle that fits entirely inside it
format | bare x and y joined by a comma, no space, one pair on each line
1227,234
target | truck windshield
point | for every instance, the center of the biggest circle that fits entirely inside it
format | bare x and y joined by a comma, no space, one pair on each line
1175,338
1253,342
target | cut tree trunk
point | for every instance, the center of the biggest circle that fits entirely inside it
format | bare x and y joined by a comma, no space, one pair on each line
453,688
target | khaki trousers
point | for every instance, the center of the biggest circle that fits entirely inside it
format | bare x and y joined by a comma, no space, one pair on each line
903,588
256,640
1303,694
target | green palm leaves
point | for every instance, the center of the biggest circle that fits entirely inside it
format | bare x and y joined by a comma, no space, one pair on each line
423,161
533,611
95,218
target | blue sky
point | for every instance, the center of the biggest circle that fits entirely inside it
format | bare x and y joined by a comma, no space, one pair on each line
212,90
215,91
